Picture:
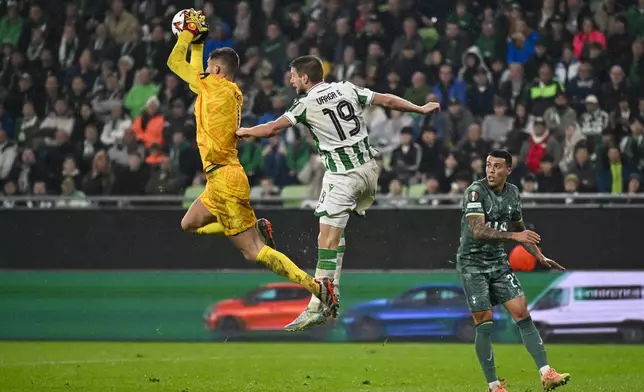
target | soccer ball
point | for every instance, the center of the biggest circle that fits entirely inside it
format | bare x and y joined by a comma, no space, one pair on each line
177,22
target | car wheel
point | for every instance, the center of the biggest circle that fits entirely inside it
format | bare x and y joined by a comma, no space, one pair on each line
632,332
366,329
466,331
544,331
229,326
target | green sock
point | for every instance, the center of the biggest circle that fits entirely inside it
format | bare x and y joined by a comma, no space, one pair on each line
327,262
483,346
533,342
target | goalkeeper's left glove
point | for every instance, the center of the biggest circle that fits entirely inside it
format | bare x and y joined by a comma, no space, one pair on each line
195,23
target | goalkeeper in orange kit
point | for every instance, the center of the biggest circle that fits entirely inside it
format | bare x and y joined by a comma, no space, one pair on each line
224,206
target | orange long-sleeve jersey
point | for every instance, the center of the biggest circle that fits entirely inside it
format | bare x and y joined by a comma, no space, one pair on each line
218,107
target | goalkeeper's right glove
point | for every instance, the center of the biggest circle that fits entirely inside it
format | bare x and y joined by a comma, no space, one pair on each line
195,23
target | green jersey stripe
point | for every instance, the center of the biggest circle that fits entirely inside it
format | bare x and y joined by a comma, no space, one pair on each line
330,163
344,158
367,146
358,152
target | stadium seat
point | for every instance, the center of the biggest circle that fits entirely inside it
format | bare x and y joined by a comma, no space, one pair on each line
299,191
255,193
416,190
191,194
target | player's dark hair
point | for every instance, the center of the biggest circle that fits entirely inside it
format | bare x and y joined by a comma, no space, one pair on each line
310,66
503,154
228,56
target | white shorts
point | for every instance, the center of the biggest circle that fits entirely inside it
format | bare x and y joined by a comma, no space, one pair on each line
343,193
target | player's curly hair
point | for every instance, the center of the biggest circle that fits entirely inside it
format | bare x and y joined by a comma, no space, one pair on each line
228,56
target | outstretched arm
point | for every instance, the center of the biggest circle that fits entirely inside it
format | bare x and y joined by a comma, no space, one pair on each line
534,250
402,105
179,65
269,129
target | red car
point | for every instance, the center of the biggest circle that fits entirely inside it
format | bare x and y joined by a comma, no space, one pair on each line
267,308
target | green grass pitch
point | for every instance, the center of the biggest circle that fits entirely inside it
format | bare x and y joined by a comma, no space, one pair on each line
241,367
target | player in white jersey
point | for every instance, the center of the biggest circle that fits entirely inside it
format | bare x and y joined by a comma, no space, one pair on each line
333,114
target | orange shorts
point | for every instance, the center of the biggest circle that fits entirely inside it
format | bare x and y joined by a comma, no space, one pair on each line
227,196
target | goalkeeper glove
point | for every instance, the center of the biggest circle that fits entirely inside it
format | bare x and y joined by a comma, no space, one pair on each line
195,23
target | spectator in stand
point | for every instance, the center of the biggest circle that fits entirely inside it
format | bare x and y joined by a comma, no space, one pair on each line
274,161
70,170
218,37
480,96
471,145
620,42
87,148
571,187
432,188
568,68
519,171
560,116
417,93
406,159
549,177
634,184
635,18
409,63
584,85
521,43
558,37
27,171
172,92
78,94
530,186
297,156
59,119
396,196
593,122
8,153
453,44
616,87
448,89
433,153
23,92
164,180
11,24
539,57
513,89
350,66
573,137
472,63
138,97
620,119
27,127
250,157
612,177
489,43
635,65
497,126
538,145
149,126
452,124
588,34
410,36
576,11
273,48
120,23
477,168
632,146
543,91
107,99
262,101
268,190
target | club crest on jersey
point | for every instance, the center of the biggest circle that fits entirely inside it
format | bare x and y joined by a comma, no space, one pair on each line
331,186
473,196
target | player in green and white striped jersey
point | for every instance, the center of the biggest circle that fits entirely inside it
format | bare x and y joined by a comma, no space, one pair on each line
333,114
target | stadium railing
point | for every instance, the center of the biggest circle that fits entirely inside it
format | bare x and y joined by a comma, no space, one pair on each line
550,200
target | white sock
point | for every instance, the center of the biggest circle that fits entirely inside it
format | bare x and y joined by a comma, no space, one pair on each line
338,267
493,384
544,370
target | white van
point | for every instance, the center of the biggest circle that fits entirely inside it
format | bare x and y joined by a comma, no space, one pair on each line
602,302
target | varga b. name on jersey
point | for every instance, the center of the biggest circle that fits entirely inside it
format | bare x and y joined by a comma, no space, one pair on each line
333,112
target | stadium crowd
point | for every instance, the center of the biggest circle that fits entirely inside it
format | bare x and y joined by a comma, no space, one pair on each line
89,106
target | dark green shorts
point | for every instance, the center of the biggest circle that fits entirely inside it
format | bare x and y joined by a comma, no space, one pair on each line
484,290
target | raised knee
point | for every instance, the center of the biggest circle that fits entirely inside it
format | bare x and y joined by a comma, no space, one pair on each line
187,225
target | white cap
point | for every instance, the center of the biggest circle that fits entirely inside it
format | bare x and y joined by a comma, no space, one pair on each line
592,99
